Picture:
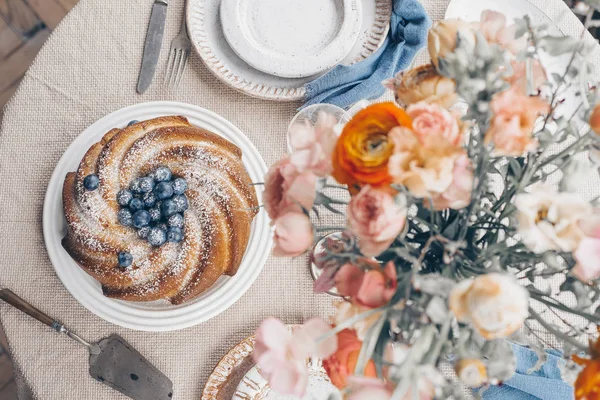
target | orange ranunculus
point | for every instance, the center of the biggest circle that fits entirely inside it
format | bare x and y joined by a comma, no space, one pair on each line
343,362
587,384
362,151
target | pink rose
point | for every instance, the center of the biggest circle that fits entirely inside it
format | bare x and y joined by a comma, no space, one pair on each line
432,123
587,253
514,115
519,77
587,256
281,355
375,219
293,234
371,289
494,29
287,189
364,388
313,146
458,194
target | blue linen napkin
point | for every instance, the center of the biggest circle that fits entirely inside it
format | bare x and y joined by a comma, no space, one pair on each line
345,85
544,384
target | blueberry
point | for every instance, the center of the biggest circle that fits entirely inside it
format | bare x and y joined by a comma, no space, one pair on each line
154,214
149,199
168,208
135,186
135,121
181,202
176,221
141,218
157,236
124,197
136,204
163,190
146,184
143,232
162,226
124,216
162,174
125,259
179,186
91,182
175,235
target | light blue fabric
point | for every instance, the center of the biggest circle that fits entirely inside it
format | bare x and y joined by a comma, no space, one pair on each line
345,85
545,384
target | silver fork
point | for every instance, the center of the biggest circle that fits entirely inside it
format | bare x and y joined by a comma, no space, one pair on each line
178,56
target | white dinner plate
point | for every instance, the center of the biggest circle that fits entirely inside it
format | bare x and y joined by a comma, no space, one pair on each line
156,315
291,38
208,39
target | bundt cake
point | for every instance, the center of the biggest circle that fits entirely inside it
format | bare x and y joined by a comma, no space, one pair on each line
159,210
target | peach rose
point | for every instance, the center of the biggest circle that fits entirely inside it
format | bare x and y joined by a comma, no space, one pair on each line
519,77
425,170
443,36
371,289
293,234
511,127
494,304
432,123
375,219
287,189
494,29
458,194
362,151
313,146
423,83
342,363
594,120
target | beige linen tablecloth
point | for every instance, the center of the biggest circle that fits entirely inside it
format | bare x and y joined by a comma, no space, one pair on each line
87,69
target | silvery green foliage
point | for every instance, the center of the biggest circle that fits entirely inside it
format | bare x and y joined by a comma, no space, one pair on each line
478,69
441,248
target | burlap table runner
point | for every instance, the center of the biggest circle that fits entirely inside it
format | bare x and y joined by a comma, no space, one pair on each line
87,69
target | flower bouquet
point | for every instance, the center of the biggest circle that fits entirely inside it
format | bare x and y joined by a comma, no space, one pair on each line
461,232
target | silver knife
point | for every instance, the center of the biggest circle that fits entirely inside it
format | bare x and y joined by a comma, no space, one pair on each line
152,46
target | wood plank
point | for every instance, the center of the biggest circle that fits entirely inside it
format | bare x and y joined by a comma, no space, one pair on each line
51,12
6,371
13,67
9,40
68,4
9,392
20,17
5,96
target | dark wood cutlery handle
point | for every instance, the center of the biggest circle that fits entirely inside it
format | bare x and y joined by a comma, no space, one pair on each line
8,296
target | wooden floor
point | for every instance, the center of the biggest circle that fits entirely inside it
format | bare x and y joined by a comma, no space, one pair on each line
24,27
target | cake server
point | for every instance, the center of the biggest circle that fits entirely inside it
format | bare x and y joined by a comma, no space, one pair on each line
113,361
154,38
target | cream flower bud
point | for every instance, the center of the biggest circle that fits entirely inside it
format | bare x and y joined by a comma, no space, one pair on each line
424,84
443,36
471,372
494,304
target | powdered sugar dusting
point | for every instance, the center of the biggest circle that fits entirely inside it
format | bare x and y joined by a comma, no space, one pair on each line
216,182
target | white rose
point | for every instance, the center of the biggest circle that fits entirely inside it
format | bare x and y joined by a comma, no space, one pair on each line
494,304
549,220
